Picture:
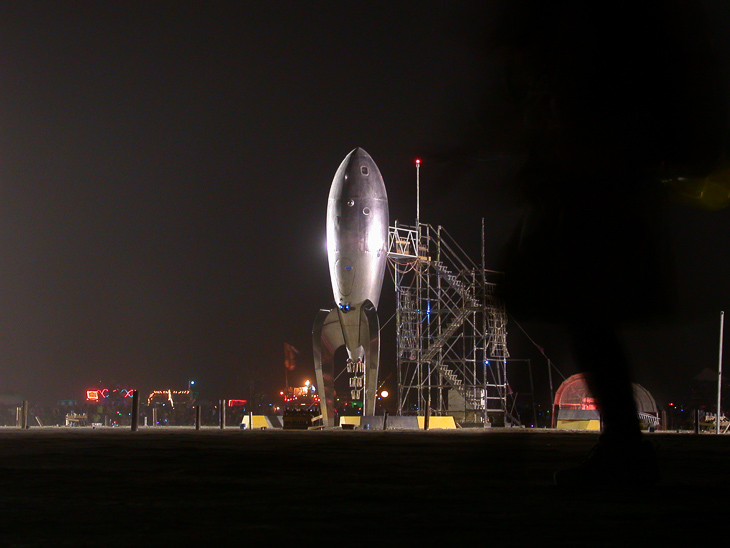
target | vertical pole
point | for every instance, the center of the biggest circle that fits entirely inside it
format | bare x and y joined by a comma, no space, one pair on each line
696,421
286,368
485,335
719,375
197,417
419,365
427,417
154,416
475,341
135,410
24,416
250,420
532,393
484,393
222,414
439,297
419,312
552,393
398,319
418,199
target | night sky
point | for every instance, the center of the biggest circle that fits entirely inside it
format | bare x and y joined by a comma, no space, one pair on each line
165,167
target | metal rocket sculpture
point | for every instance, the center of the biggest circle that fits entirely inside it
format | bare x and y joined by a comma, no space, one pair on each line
357,239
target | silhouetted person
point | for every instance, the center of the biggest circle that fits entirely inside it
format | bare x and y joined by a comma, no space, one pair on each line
613,98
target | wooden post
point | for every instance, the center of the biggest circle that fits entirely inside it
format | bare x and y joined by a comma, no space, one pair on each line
24,417
385,420
222,414
697,421
135,411
197,417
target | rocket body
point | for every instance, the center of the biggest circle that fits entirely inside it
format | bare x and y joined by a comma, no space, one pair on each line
357,239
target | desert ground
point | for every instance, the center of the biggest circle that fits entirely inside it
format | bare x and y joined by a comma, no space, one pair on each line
182,487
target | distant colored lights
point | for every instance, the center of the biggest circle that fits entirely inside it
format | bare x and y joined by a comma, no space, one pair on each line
167,395
96,395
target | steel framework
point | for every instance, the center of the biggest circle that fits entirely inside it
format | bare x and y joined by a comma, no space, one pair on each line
451,329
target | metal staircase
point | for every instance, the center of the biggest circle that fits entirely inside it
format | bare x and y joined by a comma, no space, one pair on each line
451,329
453,280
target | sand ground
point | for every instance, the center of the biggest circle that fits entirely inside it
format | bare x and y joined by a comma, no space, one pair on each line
181,487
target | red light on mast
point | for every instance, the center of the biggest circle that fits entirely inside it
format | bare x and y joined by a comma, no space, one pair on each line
418,161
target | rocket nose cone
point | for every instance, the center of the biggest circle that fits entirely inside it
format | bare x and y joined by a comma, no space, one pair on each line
358,177
358,154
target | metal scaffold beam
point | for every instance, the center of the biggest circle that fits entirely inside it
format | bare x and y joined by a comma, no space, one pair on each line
451,329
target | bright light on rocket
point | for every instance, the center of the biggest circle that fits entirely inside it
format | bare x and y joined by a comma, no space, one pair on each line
375,241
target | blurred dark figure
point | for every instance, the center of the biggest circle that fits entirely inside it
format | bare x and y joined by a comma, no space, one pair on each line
616,100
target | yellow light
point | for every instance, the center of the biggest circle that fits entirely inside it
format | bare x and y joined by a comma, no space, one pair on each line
306,383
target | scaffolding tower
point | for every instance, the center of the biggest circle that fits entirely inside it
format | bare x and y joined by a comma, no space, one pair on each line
451,329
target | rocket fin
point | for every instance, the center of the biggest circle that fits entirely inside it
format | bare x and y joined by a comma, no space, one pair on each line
326,338
370,341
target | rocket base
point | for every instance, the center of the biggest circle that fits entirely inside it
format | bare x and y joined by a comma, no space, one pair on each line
327,337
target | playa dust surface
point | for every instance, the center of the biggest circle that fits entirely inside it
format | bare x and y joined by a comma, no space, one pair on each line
181,487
